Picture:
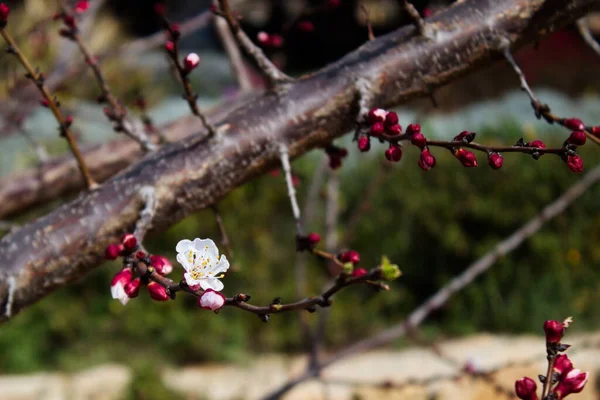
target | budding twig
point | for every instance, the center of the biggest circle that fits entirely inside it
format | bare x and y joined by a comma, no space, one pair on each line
419,314
115,112
273,75
541,110
64,125
223,231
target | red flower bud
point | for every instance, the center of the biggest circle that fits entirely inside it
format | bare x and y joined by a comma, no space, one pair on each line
335,161
391,118
377,129
562,365
364,144
113,251
45,102
313,238
427,161
69,21
4,11
81,6
358,272
596,130
161,264
469,136
495,160
577,138
537,144
351,256
305,26
69,120
376,115
129,241
334,3
575,163
394,130
263,38
122,277
574,124
525,388
573,382
191,61
276,41
160,9
157,292
170,46
413,128
418,140
132,289
554,331
393,153
140,255
466,157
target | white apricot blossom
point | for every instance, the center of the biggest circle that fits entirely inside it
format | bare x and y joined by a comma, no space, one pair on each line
202,263
211,300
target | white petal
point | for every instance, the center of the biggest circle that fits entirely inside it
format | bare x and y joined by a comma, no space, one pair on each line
183,246
183,260
124,300
222,266
191,281
117,290
206,245
212,283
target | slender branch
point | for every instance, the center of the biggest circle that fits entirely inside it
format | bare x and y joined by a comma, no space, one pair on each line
289,181
240,72
541,110
419,314
223,231
64,125
418,21
273,75
584,30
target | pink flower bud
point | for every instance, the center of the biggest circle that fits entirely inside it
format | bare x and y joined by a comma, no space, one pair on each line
391,119
377,129
191,61
537,144
140,255
574,124
466,157
45,103
81,6
129,241
313,238
525,389
376,115
350,256
418,140
393,130
161,264
495,161
554,331
364,144
573,382
469,136
575,163
69,120
113,251
577,138
117,285
393,153
170,46
413,128
562,365
263,38
132,289
211,300
305,26
358,272
276,41
4,11
427,161
157,291
596,130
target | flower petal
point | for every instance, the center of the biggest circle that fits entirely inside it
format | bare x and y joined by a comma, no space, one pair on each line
206,246
212,283
191,281
183,246
222,266
183,260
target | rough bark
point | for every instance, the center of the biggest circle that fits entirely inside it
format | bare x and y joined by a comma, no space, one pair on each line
194,173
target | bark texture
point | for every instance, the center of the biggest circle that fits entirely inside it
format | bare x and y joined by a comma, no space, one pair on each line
195,173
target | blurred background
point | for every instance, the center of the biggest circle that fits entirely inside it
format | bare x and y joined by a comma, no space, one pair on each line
432,224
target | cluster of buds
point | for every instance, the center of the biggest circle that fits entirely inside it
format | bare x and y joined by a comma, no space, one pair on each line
271,40
563,379
69,19
125,285
308,242
351,259
336,155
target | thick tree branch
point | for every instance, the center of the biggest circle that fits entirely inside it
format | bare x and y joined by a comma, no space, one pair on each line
194,174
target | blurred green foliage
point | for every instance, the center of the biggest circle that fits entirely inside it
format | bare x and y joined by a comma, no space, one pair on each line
432,224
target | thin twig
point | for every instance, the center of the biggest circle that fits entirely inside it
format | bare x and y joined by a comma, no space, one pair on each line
223,231
418,21
273,75
586,34
64,126
287,172
541,110
240,72
368,21
418,315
